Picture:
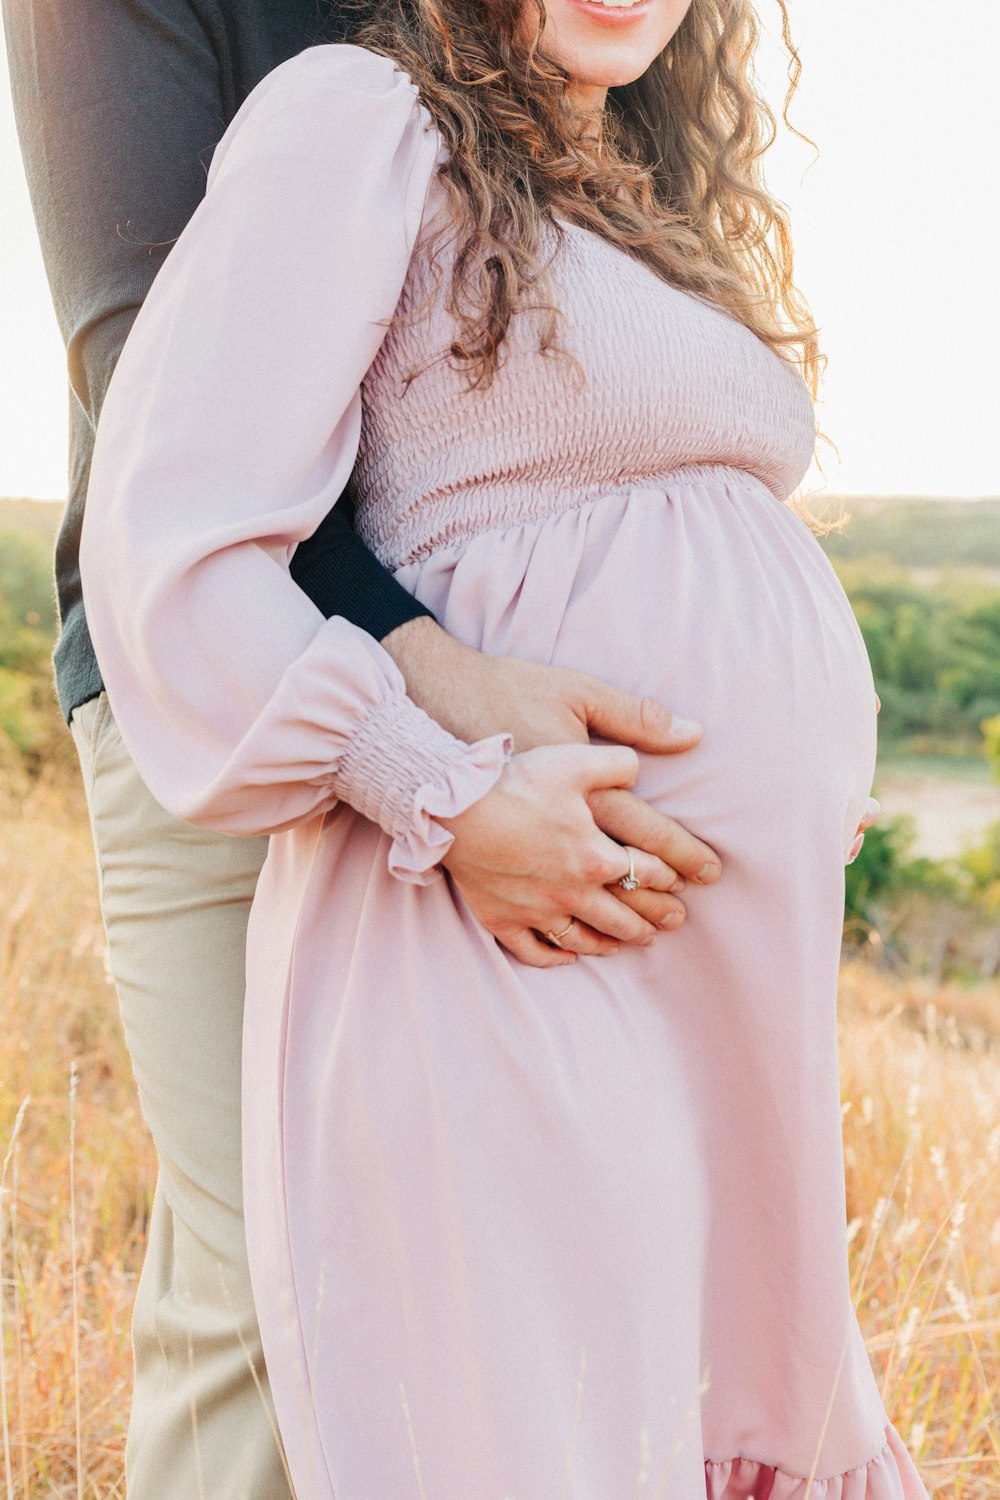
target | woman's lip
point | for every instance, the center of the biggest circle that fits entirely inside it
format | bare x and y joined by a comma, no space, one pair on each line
603,15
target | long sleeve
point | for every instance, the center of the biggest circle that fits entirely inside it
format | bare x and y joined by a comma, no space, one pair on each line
230,427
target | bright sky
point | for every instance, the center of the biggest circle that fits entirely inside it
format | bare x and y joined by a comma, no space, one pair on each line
896,227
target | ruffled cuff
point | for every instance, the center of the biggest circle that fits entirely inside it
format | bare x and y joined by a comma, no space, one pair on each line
890,1475
402,770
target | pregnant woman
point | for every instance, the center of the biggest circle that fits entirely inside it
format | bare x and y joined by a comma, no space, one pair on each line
533,1227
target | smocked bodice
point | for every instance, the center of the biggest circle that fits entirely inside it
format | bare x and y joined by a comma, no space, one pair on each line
662,379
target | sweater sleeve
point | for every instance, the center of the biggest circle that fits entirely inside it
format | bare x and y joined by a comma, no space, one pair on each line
230,427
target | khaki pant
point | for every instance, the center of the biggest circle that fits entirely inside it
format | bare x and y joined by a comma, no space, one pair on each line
176,900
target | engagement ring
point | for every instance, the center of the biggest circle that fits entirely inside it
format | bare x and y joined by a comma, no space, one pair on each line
628,882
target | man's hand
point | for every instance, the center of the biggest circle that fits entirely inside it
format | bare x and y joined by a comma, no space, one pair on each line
539,845
475,695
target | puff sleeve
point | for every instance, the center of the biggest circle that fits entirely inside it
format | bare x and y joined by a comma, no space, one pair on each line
230,427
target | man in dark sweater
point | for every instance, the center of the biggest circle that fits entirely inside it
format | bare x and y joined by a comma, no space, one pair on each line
120,104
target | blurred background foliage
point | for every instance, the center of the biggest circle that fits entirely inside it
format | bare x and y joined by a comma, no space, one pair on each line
33,739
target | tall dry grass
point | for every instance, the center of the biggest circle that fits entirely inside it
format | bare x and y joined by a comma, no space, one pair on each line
921,1097
58,1009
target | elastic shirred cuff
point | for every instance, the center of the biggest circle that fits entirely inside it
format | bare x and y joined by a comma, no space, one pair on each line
402,770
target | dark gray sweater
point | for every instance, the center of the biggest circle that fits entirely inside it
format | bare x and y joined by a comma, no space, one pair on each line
119,106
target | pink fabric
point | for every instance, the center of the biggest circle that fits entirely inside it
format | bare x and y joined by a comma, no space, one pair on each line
532,1233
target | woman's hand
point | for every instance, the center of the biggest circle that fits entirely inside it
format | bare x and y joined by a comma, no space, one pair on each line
529,859
475,695
872,811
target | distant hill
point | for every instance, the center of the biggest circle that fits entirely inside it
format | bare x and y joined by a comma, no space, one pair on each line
919,533
912,533
41,517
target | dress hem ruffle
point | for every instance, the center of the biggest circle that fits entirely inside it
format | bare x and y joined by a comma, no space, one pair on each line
890,1475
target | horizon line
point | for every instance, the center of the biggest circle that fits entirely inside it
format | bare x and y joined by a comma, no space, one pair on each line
809,495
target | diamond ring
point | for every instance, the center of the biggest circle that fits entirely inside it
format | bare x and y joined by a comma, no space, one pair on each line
628,882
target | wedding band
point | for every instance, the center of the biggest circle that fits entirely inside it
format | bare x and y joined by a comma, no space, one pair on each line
556,937
628,882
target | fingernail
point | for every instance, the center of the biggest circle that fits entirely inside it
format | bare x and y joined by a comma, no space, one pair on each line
855,849
709,872
671,920
684,729
647,942
680,884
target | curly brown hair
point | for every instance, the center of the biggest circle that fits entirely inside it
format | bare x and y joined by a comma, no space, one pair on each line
674,180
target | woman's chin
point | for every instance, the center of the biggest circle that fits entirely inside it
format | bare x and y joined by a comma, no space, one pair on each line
606,46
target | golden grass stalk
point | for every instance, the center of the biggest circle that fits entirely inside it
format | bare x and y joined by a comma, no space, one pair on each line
73,1279
7,1464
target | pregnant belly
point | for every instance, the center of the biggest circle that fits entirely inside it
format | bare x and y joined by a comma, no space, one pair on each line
713,598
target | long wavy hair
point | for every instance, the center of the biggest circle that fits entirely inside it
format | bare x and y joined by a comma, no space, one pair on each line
674,179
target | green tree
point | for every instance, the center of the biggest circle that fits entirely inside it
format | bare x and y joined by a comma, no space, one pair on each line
27,592
31,732
974,680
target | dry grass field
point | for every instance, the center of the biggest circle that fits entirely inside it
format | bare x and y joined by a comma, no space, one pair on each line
921,1099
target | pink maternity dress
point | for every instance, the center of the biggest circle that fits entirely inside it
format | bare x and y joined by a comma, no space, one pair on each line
515,1234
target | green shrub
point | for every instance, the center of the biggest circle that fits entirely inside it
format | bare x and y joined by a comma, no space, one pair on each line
885,870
